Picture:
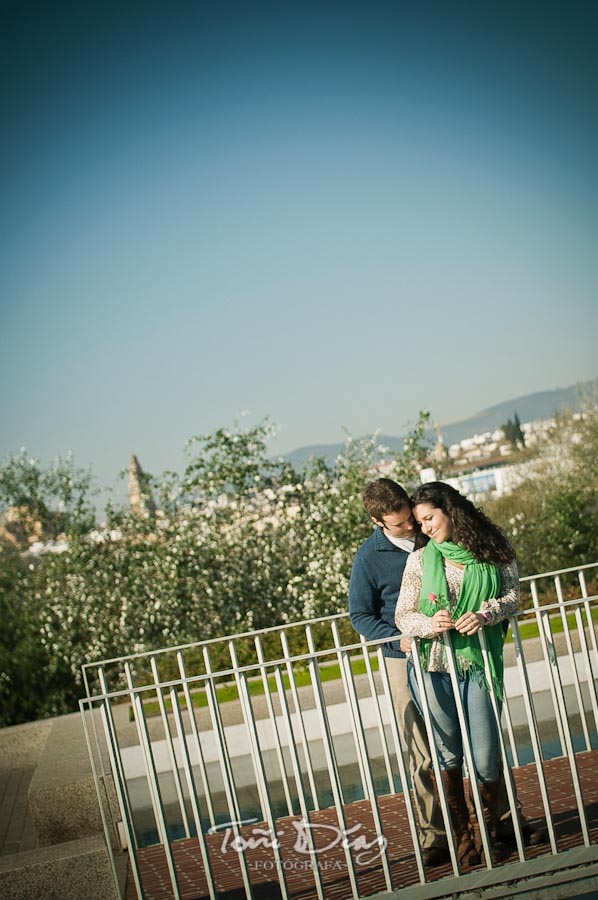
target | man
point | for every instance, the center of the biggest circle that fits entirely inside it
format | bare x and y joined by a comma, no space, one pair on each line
373,591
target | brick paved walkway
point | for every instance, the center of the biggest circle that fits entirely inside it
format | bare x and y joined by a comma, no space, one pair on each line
332,862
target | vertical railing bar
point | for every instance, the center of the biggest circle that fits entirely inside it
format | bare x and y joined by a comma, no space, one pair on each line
320,703
532,725
260,773
467,751
119,772
352,704
96,780
103,776
574,673
129,678
549,658
509,727
401,753
84,668
188,770
591,656
434,755
128,824
507,773
510,732
344,659
272,715
248,716
170,746
329,753
585,655
379,719
568,747
300,724
193,722
153,781
296,767
591,629
230,789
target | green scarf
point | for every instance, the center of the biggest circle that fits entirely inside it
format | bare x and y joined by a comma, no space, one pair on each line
481,581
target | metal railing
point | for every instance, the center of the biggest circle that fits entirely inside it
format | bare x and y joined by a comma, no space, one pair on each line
213,748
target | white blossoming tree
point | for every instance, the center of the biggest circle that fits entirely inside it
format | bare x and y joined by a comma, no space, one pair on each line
241,542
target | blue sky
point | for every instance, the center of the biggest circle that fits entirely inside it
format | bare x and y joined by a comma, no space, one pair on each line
333,215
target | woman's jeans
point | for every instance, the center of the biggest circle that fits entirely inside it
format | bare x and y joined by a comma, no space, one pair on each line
479,715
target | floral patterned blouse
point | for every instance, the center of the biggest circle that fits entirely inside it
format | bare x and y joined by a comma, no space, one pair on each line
411,622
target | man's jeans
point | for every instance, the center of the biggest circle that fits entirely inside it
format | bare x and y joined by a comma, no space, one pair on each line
479,715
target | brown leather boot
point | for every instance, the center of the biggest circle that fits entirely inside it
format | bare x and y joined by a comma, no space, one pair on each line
455,796
495,799
489,793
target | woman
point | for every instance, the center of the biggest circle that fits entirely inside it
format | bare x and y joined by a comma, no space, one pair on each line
464,578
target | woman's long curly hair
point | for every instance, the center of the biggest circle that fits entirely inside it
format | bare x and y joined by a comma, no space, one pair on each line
472,528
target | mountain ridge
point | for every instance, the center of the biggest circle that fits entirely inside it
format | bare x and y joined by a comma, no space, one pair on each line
529,408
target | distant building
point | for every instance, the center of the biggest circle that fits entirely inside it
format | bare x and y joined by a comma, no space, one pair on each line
140,495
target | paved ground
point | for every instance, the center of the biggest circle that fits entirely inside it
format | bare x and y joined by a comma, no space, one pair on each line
333,864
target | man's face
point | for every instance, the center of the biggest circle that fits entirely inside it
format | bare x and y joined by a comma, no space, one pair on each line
399,524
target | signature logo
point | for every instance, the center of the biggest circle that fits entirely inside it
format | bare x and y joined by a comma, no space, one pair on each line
306,835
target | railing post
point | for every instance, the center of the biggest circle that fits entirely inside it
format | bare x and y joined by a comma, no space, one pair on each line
226,770
379,721
507,774
590,657
571,652
249,719
549,658
272,717
434,755
402,754
170,746
335,781
467,751
152,778
533,729
300,724
361,745
296,766
188,770
116,764
195,731
568,746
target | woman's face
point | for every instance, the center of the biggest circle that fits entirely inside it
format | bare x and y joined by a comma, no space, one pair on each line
434,523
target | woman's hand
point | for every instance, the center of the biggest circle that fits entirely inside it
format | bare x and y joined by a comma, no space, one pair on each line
470,623
441,621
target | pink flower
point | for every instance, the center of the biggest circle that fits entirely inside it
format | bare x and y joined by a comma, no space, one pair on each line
432,598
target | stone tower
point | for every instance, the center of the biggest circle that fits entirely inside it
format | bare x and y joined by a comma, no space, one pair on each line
140,496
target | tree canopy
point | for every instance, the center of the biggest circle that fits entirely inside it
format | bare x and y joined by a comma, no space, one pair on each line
240,541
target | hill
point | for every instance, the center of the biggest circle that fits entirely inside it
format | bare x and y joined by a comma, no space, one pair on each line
529,408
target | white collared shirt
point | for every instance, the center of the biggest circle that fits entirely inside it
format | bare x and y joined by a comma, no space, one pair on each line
402,543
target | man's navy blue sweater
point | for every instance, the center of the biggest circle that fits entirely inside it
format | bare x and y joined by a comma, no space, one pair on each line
374,589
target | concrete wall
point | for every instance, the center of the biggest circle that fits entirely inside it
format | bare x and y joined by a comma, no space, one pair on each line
22,745
62,793
71,861
75,870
